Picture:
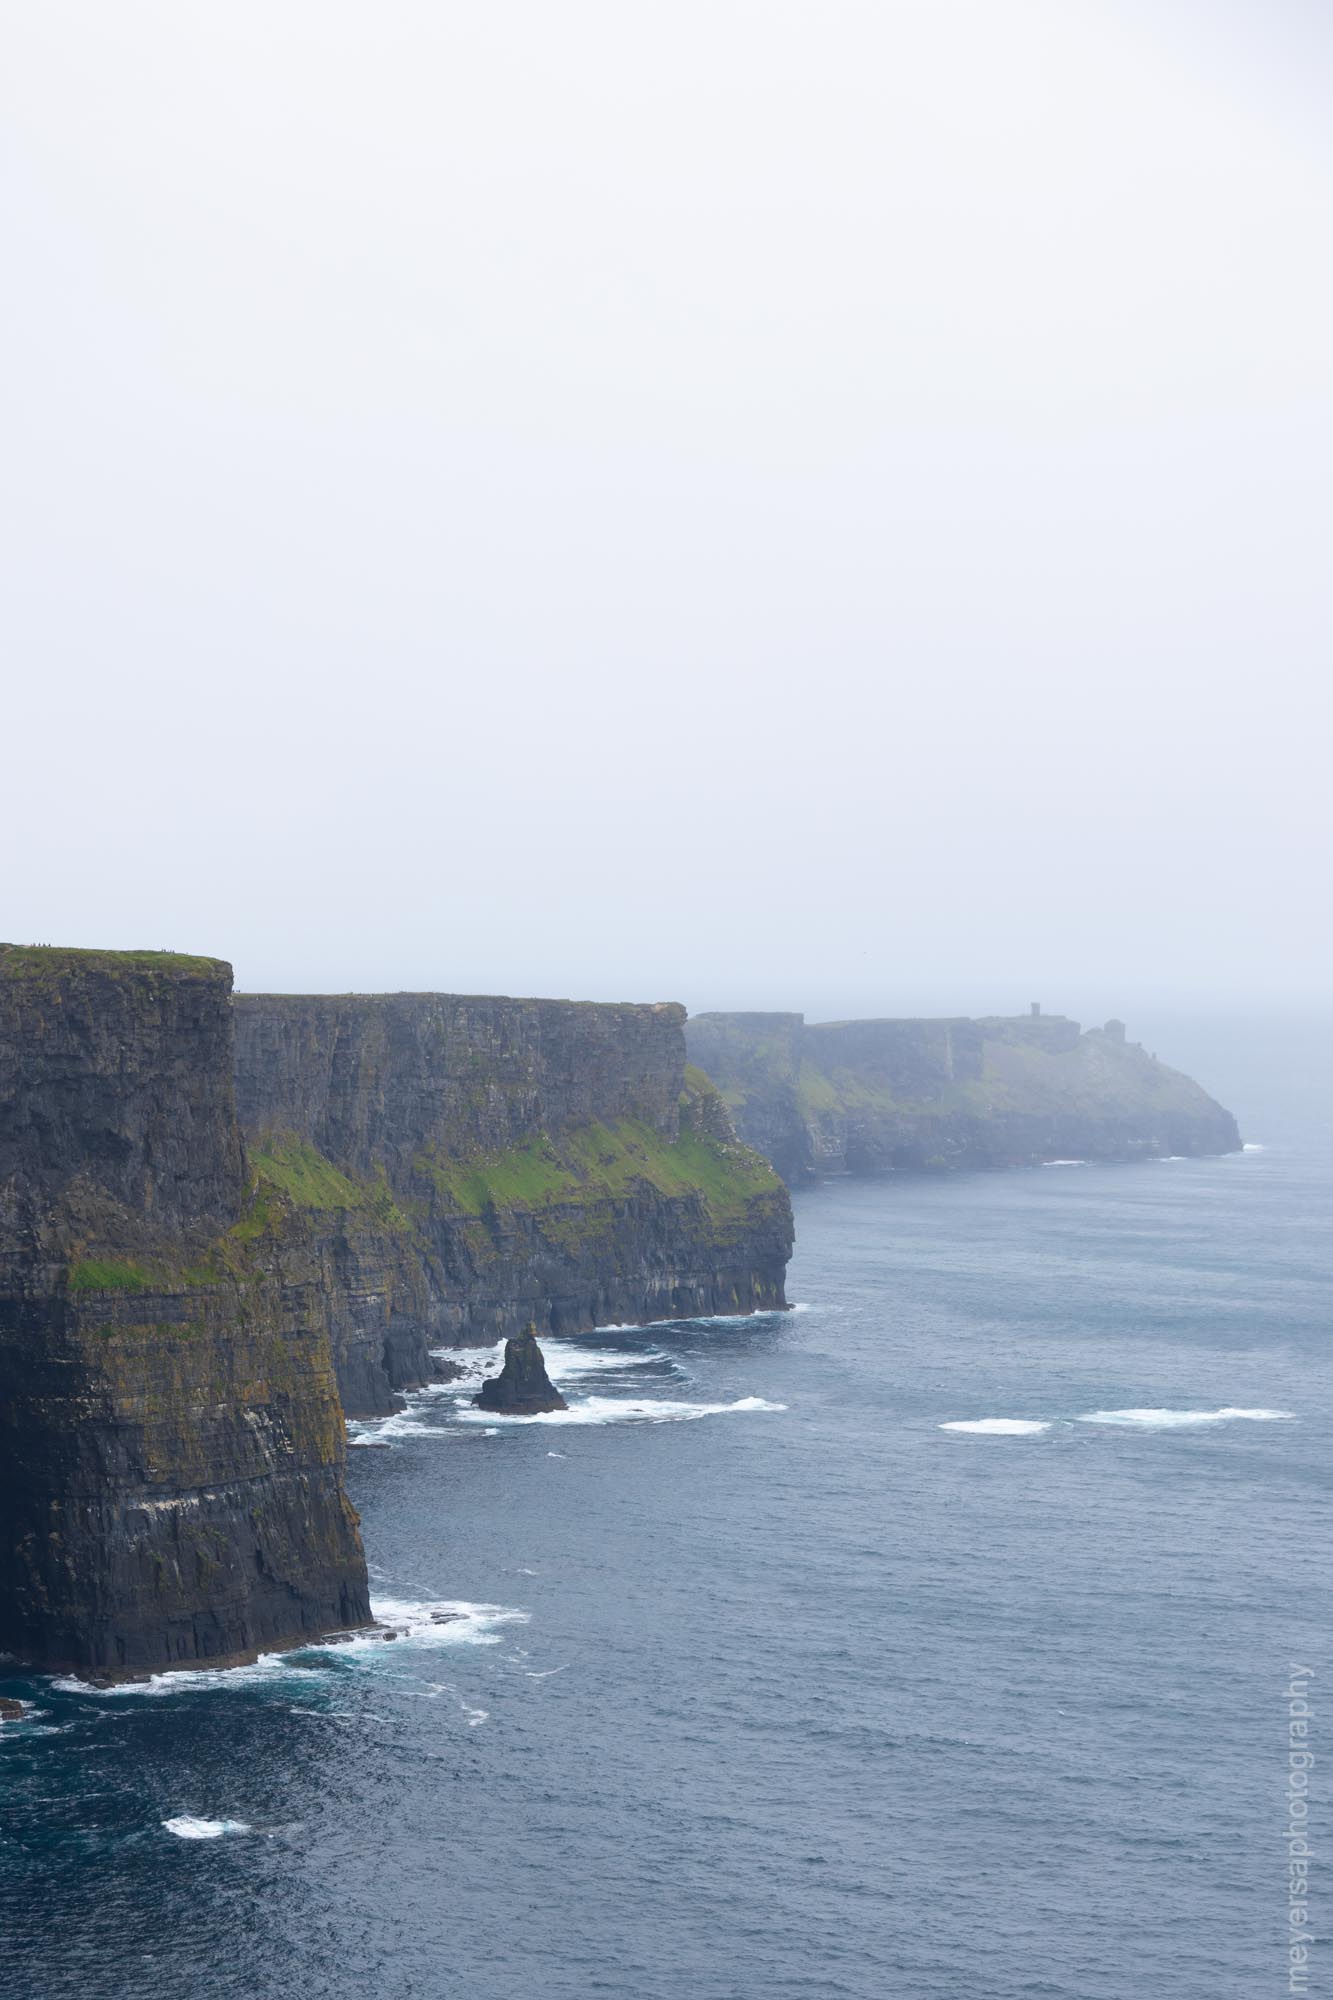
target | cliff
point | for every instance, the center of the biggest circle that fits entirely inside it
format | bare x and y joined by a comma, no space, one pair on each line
172,1443
479,1163
856,1096
184,1318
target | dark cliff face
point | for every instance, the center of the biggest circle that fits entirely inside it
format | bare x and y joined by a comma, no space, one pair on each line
171,1488
114,1081
857,1096
171,1472
374,1082
486,1162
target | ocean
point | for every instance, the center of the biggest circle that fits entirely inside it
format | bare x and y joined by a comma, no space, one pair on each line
932,1639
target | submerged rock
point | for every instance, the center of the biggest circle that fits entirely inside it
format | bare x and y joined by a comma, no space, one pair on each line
522,1388
10,1709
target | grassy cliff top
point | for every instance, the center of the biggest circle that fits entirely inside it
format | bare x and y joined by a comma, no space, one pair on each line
55,961
671,1008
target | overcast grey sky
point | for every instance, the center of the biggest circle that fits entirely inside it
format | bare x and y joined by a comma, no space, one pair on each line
770,502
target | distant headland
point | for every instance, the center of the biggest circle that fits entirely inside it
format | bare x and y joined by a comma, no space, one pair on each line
1000,1091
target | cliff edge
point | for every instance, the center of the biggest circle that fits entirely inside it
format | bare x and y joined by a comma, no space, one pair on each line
858,1096
172,1444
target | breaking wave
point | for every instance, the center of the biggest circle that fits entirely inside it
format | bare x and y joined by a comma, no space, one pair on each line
186,1827
998,1426
564,1361
439,1621
625,1410
410,1422
1172,1420
699,1319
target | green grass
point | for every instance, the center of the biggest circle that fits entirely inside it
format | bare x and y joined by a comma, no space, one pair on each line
306,1177
301,1172
111,1274
46,960
525,1176
597,1162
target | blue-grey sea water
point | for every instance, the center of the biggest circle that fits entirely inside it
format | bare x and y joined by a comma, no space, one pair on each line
754,1679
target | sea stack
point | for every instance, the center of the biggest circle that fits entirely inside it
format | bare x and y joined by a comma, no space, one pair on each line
522,1388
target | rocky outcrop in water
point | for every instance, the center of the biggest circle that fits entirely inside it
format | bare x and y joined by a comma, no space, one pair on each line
522,1388
172,1444
860,1096
465,1166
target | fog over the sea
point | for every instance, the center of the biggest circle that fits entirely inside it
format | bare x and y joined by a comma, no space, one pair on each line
819,505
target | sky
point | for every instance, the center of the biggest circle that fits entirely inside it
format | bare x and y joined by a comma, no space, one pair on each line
771,503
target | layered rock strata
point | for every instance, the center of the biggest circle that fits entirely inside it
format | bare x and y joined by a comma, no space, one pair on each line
171,1442
479,1163
860,1096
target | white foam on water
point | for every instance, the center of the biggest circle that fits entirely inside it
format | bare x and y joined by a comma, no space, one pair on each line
557,1454
472,1363
1064,1163
429,1622
408,1423
1173,1420
412,1421
998,1426
564,1360
378,1430
626,1410
186,1827
190,1680
436,1621
32,1723
1253,1146
700,1319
